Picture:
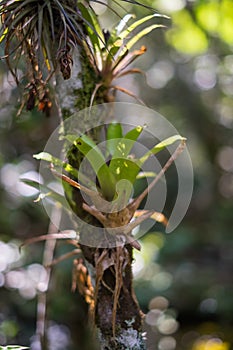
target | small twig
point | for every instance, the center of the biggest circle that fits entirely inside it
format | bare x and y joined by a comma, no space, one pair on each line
67,234
92,194
131,71
133,206
127,92
137,222
64,257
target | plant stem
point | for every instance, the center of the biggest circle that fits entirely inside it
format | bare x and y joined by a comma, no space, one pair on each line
47,261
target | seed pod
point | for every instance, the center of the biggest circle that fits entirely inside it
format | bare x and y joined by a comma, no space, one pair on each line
31,100
65,65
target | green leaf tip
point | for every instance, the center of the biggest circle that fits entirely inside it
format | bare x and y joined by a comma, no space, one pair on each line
43,156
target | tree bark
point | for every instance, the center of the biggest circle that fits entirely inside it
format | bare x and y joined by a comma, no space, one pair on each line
122,328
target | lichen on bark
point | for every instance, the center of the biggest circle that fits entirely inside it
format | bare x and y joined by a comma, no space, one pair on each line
129,339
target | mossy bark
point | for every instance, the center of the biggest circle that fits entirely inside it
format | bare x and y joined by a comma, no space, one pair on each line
75,95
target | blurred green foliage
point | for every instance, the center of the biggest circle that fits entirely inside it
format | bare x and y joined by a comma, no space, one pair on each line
189,73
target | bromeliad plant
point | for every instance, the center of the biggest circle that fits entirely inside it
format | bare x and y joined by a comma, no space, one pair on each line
109,196
110,200
44,33
109,51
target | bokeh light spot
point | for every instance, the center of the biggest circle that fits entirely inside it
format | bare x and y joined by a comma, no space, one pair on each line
208,305
225,158
152,317
159,302
160,74
167,343
225,185
167,325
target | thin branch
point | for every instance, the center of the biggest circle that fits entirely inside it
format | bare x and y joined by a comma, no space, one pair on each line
133,206
67,234
47,260
65,256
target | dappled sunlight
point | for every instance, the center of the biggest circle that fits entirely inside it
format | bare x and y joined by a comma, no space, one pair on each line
28,281
186,36
144,265
211,344
11,176
9,256
205,76
168,6
161,323
59,338
160,74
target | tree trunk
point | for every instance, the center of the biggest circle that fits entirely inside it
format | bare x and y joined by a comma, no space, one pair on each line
120,328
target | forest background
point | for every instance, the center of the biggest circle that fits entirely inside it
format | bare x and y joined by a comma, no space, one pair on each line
189,80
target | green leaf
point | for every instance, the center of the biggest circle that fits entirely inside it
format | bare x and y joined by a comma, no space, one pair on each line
93,27
47,157
145,174
85,144
73,139
2,38
120,166
112,53
125,144
159,147
134,133
66,166
133,26
123,168
117,48
47,191
31,183
142,33
121,25
114,132
98,162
